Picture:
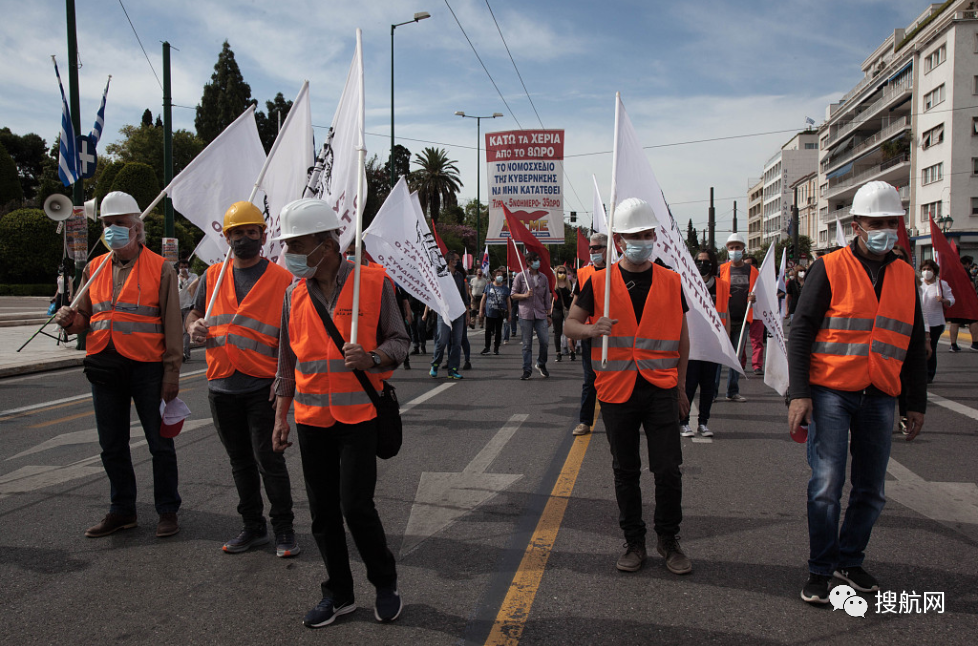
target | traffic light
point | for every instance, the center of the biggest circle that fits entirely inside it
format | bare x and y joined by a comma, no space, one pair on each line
573,217
791,251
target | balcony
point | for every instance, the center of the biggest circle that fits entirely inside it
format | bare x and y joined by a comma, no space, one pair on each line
839,186
864,145
889,94
843,211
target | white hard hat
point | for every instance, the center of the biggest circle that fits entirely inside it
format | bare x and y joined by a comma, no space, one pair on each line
634,215
736,237
118,203
305,216
877,200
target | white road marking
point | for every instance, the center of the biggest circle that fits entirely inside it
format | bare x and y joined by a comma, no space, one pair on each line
948,502
425,397
961,409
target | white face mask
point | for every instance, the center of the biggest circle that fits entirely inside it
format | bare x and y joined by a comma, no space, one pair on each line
927,275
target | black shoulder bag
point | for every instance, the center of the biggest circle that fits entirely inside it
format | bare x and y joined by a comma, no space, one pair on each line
389,428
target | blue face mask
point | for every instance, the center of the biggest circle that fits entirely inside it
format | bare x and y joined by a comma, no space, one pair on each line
298,264
116,236
597,258
638,251
737,255
880,241
535,264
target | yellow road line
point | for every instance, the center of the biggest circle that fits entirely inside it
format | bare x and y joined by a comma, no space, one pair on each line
963,334
515,609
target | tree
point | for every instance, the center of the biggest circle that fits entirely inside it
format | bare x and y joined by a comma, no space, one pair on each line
104,176
11,192
28,152
49,182
147,118
268,123
224,98
402,163
30,248
436,181
138,180
144,144
692,239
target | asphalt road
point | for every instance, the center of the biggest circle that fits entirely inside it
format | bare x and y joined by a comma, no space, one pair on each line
488,470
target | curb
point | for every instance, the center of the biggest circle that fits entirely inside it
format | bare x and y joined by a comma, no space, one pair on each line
29,368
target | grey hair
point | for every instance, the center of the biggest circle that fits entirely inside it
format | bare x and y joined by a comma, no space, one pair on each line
601,238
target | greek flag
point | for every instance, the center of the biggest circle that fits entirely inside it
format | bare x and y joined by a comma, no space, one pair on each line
67,155
100,118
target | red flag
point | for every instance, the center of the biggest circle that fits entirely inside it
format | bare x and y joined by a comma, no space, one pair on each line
904,241
441,245
583,253
954,247
965,300
520,233
512,257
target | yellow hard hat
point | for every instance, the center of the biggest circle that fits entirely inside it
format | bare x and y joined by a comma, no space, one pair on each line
242,213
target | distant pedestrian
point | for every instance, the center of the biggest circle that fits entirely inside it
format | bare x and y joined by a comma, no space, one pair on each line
740,277
187,282
796,284
935,298
598,249
494,306
448,340
559,308
531,291
477,286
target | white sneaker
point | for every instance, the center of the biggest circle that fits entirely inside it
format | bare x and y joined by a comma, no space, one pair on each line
703,430
686,431
581,429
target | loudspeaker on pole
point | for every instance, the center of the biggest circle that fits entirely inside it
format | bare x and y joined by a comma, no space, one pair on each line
58,207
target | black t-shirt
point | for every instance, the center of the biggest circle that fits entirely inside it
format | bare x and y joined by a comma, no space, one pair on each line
638,285
739,288
794,291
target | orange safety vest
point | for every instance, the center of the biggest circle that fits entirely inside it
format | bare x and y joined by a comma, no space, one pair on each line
725,277
651,346
723,298
134,321
863,340
583,274
244,337
326,390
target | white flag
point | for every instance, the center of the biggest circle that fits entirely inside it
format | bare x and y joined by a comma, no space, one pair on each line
210,250
782,286
222,174
288,166
599,222
840,237
338,169
633,177
766,309
400,240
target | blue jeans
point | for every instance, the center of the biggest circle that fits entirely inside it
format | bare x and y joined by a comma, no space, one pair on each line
450,336
527,328
588,393
111,403
733,377
845,422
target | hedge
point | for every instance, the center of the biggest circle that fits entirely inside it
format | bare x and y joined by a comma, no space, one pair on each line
27,290
30,247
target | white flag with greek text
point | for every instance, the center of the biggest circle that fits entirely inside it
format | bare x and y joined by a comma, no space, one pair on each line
766,309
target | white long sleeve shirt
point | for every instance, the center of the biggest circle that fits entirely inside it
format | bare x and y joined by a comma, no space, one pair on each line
932,310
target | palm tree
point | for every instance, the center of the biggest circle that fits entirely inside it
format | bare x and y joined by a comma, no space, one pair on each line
436,181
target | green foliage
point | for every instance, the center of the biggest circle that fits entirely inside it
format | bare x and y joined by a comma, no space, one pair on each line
692,239
45,289
139,180
30,247
144,144
224,98
104,176
11,192
436,181
147,119
50,183
804,248
29,153
402,162
268,123
153,225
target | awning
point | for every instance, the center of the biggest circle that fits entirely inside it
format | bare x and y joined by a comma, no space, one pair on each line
841,170
900,71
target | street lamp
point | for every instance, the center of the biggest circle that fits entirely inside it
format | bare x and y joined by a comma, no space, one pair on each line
421,15
945,222
478,168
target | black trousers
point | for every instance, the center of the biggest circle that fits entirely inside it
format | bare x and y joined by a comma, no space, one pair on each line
244,423
494,329
339,465
655,410
702,375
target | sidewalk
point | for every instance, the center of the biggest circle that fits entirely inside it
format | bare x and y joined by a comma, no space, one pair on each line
43,353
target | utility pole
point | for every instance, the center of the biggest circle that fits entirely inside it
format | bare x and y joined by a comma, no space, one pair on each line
168,229
794,228
712,222
735,217
78,188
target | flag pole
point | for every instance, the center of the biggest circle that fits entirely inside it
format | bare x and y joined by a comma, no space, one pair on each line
358,240
611,229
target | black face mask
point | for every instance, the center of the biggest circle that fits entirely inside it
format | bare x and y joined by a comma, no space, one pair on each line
246,248
704,266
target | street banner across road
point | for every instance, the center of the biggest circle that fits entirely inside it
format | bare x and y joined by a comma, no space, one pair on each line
526,175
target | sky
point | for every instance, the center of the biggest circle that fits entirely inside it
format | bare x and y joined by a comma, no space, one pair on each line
687,72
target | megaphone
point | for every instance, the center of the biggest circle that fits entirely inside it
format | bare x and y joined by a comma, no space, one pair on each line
58,207
91,210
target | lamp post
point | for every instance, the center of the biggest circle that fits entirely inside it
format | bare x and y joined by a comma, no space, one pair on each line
478,168
421,15
945,222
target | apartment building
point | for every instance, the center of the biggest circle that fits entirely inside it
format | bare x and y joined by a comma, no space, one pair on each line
911,121
755,213
797,158
805,189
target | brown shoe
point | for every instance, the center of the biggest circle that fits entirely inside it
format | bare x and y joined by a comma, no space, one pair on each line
167,526
111,524
581,429
676,559
633,558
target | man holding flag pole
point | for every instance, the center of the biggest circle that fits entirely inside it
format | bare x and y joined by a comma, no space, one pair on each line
533,291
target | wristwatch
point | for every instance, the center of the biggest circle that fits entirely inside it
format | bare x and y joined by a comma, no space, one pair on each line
376,358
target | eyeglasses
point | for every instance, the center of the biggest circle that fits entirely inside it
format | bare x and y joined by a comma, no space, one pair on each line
596,247
561,273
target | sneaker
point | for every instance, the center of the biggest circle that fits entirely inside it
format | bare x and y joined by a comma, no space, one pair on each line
686,431
247,539
467,366
407,363
506,342
326,611
704,431
736,398
974,346
526,375
389,604
581,429
559,358
676,560
111,524
434,371
416,350
453,374
759,372
542,369
573,356
858,578
903,425
285,545
167,526
485,352
495,351
633,558
817,589
955,348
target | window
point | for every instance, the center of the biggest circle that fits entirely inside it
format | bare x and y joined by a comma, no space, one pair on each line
927,211
821,189
932,137
974,125
933,173
975,90
974,165
934,97
974,206
815,146
936,57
